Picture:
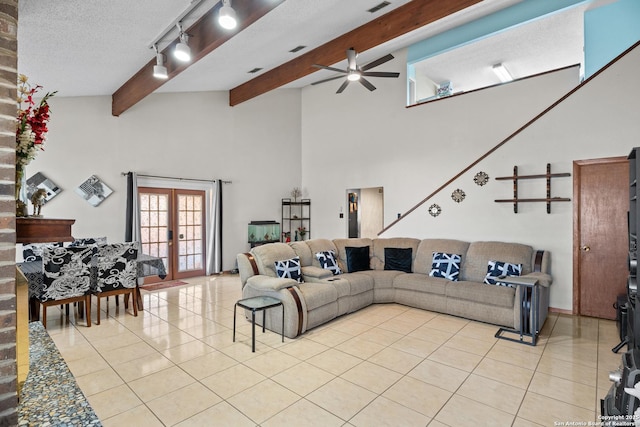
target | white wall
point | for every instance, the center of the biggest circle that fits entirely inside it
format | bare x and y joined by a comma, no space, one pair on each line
256,145
365,139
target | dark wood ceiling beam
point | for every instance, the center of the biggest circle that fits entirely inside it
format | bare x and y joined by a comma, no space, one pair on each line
205,35
402,20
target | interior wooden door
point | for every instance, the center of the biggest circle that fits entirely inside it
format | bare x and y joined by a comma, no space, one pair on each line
172,225
601,243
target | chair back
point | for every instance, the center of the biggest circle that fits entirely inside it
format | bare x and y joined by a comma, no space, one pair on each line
67,272
117,267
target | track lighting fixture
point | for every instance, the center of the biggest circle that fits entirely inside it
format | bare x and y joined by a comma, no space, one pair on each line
503,74
227,16
182,51
159,70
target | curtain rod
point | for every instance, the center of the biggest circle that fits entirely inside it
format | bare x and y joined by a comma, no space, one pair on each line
180,179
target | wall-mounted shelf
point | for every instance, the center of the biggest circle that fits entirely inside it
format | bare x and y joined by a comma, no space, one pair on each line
548,200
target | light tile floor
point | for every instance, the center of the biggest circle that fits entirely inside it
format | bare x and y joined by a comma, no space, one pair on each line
385,365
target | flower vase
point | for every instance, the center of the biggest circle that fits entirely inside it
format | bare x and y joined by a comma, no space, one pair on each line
21,193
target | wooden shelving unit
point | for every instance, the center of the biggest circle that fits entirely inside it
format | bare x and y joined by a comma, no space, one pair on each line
548,200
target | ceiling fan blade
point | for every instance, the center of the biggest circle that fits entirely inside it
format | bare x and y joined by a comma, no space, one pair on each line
343,86
366,83
327,80
377,62
324,67
380,74
351,59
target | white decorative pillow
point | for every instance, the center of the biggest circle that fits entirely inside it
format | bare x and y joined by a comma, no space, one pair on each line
328,261
498,268
445,265
289,269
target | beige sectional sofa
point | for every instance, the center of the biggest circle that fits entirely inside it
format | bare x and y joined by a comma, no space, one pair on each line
324,296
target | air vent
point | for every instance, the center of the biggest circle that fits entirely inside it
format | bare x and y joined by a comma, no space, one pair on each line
374,9
297,49
255,70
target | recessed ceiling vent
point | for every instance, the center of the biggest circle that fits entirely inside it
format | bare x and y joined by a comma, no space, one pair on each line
255,70
297,49
374,9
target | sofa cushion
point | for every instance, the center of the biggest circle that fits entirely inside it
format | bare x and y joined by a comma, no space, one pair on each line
382,278
421,283
427,247
266,256
499,268
328,261
358,258
446,266
474,266
358,282
399,259
289,269
303,251
317,294
479,292
380,245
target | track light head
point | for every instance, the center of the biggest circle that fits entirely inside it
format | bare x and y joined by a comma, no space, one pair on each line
159,70
182,51
227,16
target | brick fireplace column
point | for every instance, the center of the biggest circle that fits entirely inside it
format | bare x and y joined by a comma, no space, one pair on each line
8,111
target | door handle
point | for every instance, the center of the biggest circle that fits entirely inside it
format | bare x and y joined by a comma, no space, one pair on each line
585,248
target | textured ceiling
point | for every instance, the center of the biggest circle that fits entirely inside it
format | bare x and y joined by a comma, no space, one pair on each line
82,48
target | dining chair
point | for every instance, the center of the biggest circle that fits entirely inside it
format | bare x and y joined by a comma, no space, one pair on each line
117,273
66,279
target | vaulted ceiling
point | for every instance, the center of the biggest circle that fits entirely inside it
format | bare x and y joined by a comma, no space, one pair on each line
83,48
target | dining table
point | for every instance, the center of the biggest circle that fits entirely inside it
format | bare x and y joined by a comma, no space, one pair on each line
148,265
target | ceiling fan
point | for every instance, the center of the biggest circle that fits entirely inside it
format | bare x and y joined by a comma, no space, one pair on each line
354,73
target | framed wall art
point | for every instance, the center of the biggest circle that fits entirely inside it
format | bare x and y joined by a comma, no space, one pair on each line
93,190
40,181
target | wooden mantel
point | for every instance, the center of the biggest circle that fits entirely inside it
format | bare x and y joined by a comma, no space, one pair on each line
43,230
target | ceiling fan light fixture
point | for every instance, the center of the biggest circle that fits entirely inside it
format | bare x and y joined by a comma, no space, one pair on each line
353,76
227,16
503,74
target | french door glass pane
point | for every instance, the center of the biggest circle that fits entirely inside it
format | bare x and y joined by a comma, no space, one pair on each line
190,232
154,225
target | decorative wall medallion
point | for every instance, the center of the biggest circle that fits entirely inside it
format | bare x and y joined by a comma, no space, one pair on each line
481,178
458,195
434,210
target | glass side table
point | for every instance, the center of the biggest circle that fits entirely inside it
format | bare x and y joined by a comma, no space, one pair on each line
529,302
254,304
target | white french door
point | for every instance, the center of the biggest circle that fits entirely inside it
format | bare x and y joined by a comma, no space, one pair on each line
172,226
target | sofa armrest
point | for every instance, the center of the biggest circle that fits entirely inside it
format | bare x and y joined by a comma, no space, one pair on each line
316,272
270,283
544,279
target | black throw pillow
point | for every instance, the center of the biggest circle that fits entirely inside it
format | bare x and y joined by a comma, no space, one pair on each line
398,259
357,258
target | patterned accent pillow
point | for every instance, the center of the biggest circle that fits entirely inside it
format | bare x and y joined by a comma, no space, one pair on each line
33,251
328,261
445,265
289,269
499,268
